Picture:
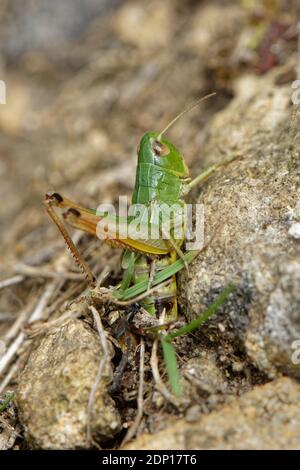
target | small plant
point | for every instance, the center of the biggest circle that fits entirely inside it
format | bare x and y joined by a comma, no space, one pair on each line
6,401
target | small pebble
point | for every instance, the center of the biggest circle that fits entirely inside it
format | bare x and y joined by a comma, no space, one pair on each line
193,413
294,230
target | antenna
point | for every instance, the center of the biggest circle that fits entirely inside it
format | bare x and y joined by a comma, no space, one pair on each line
189,108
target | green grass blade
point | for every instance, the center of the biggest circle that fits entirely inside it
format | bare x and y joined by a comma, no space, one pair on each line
194,324
128,273
7,399
166,340
163,275
172,367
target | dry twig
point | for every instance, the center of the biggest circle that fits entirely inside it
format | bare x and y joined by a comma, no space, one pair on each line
140,400
11,281
106,295
36,271
103,361
37,314
160,386
10,375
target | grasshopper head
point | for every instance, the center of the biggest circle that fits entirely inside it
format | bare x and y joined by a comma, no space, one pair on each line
162,153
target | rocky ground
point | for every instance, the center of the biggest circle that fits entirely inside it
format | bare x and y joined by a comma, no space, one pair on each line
79,96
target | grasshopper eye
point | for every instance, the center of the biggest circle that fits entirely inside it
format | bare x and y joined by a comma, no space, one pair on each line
159,149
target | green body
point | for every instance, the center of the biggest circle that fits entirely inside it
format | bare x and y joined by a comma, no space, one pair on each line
160,175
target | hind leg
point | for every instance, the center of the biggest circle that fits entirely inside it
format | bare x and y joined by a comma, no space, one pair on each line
55,200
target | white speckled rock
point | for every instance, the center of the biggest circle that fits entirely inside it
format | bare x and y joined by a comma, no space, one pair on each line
253,205
265,418
54,388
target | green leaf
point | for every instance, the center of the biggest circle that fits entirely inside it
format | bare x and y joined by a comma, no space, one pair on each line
127,277
171,364
166,340
203,317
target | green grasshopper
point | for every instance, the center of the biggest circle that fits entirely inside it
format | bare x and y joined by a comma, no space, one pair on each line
162,180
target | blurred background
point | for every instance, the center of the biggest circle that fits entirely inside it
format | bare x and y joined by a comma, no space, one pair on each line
86,78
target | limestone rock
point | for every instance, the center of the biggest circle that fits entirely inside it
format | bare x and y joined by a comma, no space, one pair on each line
266,418
54,388
250,208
